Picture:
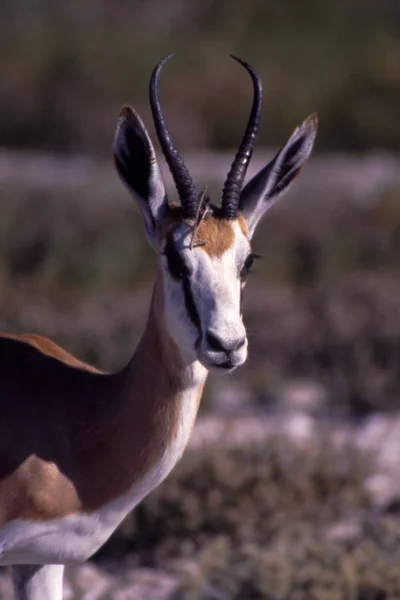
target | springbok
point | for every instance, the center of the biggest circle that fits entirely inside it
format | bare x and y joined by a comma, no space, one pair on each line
80,448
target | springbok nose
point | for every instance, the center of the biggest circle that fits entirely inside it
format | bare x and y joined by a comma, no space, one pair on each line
219,345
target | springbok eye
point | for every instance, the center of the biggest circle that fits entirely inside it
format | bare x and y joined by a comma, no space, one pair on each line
176,265
248,263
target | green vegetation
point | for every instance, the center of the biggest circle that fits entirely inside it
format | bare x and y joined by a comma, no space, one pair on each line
68,66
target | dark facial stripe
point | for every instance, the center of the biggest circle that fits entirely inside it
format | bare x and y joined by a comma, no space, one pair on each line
180,272
176,264
190,304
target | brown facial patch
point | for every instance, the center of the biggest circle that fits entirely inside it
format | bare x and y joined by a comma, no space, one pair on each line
217,234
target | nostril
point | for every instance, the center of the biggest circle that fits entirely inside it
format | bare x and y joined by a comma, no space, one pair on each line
239,344
215,343
220,345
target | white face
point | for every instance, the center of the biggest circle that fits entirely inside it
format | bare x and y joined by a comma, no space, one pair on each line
203,284
203,292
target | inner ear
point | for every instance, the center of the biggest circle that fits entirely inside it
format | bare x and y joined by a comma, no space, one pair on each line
137,166
275,178
133,153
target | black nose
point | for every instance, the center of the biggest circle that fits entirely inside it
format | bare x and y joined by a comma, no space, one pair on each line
219,345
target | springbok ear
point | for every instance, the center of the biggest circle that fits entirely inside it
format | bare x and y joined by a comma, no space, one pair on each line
137,166
275,179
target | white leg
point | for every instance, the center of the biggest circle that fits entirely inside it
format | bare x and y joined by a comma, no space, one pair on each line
37,582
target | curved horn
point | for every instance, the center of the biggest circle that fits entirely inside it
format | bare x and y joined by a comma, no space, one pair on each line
234,181
183,181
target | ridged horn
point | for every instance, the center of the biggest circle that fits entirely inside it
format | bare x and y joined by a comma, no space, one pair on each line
183,181
234,181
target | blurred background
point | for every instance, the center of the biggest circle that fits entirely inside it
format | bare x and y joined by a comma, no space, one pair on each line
278,496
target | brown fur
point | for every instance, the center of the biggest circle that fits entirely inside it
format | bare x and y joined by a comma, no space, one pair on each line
73,439
49,348
217,234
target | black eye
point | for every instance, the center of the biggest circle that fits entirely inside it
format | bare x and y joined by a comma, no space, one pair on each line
175,262
248,263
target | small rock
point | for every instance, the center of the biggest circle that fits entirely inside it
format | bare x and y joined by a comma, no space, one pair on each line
383,489
230,397
306,396
126,593
380,437
300,428
372,433
147,584
89,581
344,531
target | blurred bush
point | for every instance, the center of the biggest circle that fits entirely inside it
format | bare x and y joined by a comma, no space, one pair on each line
267,519
322,306
68,66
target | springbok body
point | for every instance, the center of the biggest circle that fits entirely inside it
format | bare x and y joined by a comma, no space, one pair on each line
80,448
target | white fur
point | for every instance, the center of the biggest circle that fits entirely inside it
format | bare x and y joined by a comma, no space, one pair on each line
33,582
215,285
75,538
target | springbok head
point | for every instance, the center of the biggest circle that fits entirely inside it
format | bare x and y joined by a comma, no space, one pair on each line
205,250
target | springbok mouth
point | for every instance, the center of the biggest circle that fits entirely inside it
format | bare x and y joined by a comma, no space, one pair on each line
228,364
225,366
